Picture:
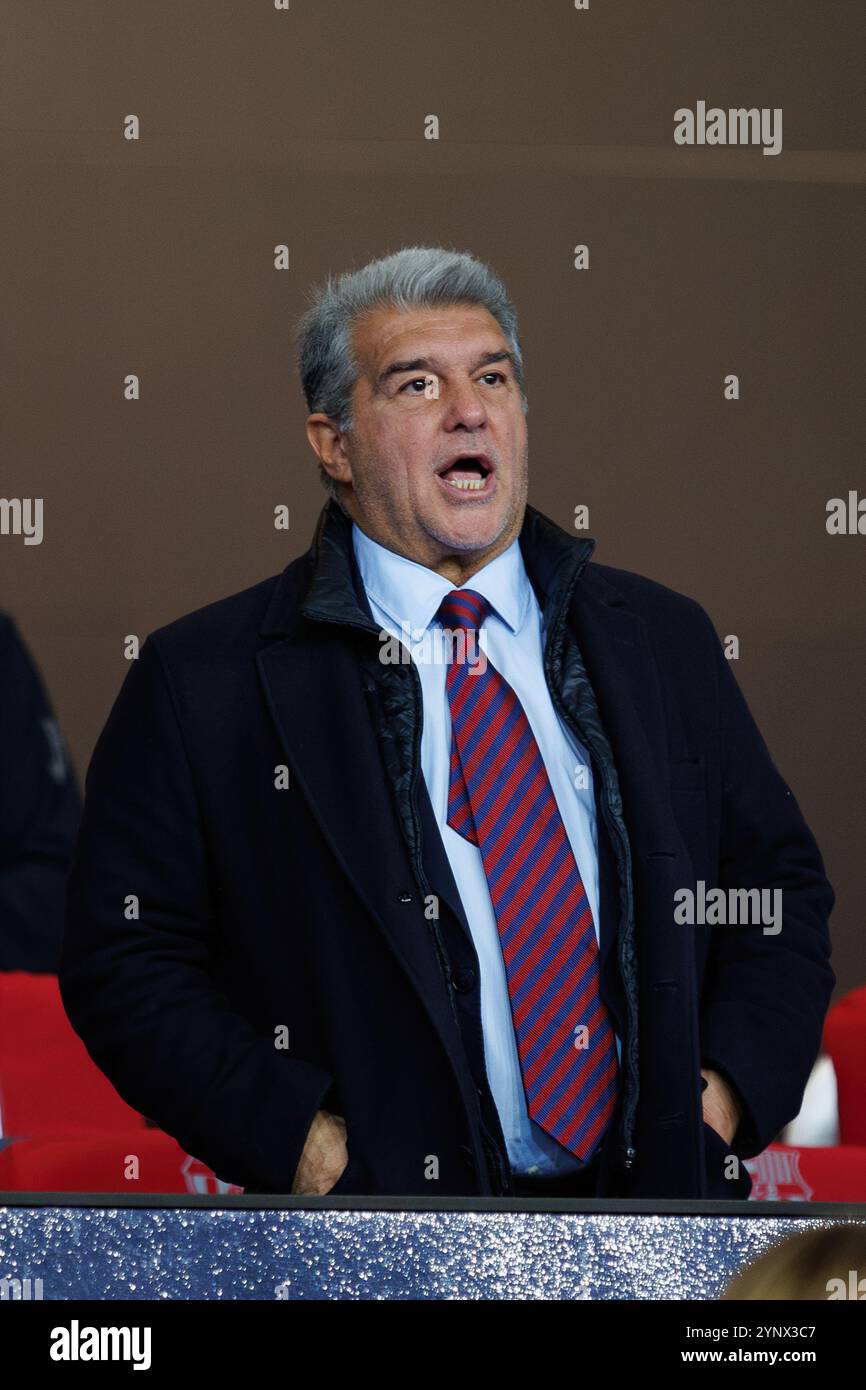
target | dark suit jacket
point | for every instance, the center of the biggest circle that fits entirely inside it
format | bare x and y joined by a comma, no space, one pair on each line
210,906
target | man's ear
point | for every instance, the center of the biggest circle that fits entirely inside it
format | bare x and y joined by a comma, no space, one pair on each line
327,443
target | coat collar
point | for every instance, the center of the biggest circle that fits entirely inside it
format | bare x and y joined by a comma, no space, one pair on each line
554,561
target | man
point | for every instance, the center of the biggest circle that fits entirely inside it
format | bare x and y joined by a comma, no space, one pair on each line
350,919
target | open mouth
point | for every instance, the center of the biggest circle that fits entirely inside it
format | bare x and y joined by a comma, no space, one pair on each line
469,473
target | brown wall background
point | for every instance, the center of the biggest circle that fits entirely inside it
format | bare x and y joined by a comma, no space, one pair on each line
306,127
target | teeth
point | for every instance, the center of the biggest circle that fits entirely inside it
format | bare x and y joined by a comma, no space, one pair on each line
467,484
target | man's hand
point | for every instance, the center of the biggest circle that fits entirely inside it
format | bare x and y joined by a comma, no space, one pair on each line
324,1158
722,1110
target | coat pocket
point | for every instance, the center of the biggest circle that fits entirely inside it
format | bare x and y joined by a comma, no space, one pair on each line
717,1154
345,1182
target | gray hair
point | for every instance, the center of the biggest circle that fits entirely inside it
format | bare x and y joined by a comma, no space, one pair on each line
415,276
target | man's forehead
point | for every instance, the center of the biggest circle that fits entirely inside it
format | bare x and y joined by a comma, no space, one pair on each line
456,330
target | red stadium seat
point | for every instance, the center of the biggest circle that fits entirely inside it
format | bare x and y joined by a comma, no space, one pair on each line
48,1084
137,1161
845,1043
783,1173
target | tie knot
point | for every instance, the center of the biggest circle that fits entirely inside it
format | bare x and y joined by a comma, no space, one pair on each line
464,609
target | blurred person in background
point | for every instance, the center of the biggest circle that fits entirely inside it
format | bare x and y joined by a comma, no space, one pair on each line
40,807
829,1264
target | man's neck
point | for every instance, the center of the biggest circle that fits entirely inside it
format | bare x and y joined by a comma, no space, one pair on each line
457,567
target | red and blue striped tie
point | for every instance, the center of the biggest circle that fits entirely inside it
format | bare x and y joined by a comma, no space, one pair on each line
500,799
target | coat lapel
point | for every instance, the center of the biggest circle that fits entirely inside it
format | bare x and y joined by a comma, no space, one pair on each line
314,684
622,670
318,703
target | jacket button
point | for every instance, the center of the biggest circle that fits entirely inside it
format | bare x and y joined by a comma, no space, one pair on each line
463,979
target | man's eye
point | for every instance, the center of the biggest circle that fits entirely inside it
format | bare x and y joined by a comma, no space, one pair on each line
416,381
497,376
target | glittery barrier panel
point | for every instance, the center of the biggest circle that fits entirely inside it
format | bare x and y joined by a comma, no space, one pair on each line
140,1252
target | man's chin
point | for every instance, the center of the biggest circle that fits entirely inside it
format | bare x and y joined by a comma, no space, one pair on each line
468,535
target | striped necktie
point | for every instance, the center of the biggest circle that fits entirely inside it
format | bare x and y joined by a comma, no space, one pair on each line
501,800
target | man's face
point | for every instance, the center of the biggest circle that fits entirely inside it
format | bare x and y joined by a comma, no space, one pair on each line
435,384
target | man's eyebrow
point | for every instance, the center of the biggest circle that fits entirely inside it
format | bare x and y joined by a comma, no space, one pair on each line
427,364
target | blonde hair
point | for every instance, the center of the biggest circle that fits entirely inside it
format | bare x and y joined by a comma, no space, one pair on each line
803,1266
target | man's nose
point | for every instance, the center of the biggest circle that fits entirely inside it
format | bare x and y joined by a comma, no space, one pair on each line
465,407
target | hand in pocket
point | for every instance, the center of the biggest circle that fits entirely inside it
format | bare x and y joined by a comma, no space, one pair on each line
325,1156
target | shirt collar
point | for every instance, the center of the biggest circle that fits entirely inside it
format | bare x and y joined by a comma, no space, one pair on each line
410,593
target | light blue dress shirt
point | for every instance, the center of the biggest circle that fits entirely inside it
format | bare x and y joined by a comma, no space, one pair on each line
404,597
